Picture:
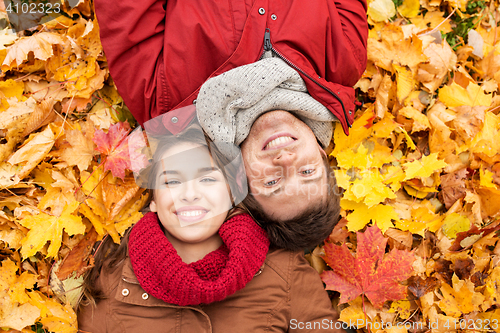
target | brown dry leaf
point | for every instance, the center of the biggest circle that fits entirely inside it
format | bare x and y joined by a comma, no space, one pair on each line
394,48
81,151
40,44
42,115
442,60
33,152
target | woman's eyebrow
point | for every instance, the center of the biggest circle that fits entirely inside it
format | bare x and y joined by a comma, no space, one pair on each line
169,172
208,169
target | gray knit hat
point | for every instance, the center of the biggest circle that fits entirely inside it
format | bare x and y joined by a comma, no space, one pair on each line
228,104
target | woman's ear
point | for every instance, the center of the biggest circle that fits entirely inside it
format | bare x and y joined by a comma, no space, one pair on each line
152,206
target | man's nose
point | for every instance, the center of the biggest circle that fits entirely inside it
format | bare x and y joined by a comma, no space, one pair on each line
285,158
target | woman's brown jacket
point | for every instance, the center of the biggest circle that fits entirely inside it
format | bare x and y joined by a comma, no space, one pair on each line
287,295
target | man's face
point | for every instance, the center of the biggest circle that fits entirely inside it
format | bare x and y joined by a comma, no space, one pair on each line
284,165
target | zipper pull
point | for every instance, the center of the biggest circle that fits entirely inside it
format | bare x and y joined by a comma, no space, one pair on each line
267,40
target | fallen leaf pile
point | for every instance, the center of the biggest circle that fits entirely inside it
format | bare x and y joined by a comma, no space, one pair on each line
422,164
418,241
64,171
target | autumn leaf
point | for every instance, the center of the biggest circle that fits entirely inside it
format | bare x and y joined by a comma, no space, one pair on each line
45,228
424,167
118,148
381,215
81,151
40,44
370,273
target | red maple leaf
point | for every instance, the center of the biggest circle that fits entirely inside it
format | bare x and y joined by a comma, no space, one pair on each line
370,273
119,148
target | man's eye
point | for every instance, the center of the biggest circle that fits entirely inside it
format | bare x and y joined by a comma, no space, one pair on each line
308,172
271,183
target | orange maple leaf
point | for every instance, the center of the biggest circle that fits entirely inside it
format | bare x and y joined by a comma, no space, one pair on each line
370,273
119,147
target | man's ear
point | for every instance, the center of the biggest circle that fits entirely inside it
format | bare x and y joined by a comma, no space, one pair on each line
152,206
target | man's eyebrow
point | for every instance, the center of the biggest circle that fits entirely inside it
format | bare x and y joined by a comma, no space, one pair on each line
273,193
312,180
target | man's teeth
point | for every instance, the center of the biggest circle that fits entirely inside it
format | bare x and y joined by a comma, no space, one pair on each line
279,141
191,213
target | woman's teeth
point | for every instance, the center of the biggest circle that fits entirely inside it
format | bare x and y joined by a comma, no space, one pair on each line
279,141
191,213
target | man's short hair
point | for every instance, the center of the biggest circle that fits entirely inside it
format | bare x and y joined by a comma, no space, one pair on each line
309,228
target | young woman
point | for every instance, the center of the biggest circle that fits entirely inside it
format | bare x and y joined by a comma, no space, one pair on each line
195,263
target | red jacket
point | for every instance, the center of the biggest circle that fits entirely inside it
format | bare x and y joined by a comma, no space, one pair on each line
160,52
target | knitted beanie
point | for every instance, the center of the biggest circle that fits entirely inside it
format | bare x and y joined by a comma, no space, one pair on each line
162,273
227,105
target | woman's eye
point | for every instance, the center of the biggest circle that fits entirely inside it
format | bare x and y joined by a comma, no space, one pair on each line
307,172
172,182
209,180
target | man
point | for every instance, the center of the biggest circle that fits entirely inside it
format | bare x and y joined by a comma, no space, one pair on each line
264,107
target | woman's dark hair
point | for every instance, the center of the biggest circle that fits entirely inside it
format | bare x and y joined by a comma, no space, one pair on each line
108,255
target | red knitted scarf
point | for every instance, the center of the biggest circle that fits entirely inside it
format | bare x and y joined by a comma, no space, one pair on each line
163,274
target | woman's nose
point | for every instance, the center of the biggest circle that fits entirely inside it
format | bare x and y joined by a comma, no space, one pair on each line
190,192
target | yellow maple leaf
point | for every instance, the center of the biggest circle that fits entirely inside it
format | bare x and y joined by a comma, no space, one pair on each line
362,215
360,130
423,167
384,127
55,317
380,154
461,299
15,311
421,218
393,176
486,178
15,285
45,228
454,95
370,189
431,20
359,159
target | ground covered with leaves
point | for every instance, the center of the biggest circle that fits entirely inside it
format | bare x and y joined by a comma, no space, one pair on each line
418,241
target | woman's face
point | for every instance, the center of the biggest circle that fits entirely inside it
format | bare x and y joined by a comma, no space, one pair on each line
191,196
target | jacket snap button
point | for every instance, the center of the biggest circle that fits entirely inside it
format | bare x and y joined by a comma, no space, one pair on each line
145,296
274,17
125,292
194,102
262,11
350,111
175,120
